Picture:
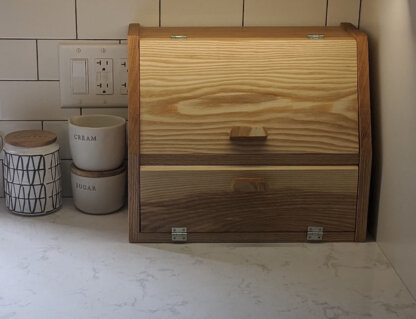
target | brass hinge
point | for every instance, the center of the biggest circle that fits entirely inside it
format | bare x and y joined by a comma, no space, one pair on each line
315,233
179,234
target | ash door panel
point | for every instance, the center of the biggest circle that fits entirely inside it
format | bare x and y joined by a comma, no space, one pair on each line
248,199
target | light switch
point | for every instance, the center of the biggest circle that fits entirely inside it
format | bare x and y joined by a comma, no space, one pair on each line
79,76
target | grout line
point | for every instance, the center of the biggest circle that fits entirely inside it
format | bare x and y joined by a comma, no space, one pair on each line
62,39
326,13
76,20
28,120
41,123
359,14
80,111
242,20
37,60
29,80
160,13
395,271
32,120
23,39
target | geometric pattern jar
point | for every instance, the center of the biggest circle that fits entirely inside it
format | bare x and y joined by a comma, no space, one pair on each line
32,173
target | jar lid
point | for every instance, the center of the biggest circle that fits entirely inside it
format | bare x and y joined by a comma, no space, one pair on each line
97,174
30,138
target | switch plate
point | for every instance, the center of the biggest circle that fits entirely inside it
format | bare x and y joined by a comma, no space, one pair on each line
79,91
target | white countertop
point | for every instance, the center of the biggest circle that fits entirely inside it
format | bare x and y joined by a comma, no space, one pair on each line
72,265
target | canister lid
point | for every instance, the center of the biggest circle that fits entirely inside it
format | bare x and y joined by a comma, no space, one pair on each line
97,174
30,138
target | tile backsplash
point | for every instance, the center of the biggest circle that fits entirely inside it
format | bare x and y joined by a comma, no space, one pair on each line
285,12
30,32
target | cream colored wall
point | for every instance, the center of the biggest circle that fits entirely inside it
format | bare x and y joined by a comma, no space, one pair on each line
391,25
30,32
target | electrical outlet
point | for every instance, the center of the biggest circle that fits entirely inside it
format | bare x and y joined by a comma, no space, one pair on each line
104,76
93,74
123,77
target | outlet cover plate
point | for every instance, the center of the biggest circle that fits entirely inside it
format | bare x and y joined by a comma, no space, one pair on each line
91,52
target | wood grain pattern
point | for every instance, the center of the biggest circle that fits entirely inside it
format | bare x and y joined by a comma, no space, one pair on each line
263,237
202,198
303,92
226,33
314,91
250,159
364,107
133,55
30,138
249,185
97,174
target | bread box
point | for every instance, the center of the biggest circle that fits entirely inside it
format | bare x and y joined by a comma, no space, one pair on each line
257,134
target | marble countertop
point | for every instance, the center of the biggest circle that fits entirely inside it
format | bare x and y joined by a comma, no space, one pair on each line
72,265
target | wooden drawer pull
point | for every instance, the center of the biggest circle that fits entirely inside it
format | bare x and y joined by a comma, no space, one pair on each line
248,133
249,185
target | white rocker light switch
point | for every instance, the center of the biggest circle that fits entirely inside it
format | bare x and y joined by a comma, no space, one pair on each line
79,76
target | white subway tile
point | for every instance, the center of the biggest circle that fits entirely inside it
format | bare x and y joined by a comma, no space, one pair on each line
60,128
18,60
35,100
201,13
37,19
1,180
48,57
343,11
66,178
114,17
284,12
123,112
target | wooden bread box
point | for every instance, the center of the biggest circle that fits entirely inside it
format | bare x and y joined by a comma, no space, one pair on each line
254,134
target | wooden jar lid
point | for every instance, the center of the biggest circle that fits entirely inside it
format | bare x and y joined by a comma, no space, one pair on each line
30,138
97,174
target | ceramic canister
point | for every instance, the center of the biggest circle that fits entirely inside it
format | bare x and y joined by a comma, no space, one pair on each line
97,142
32,173
98,192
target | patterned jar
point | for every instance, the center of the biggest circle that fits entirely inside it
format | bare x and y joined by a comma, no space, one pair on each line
32,173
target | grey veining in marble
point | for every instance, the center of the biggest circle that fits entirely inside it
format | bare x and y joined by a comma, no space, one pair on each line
71,265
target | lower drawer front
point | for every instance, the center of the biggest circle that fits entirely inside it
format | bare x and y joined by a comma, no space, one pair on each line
248,198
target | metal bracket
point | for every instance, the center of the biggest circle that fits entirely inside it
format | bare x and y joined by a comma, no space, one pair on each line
179,234
316,36
178,37
315,233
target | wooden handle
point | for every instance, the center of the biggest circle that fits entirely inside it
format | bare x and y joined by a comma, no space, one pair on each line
249,185
248,133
